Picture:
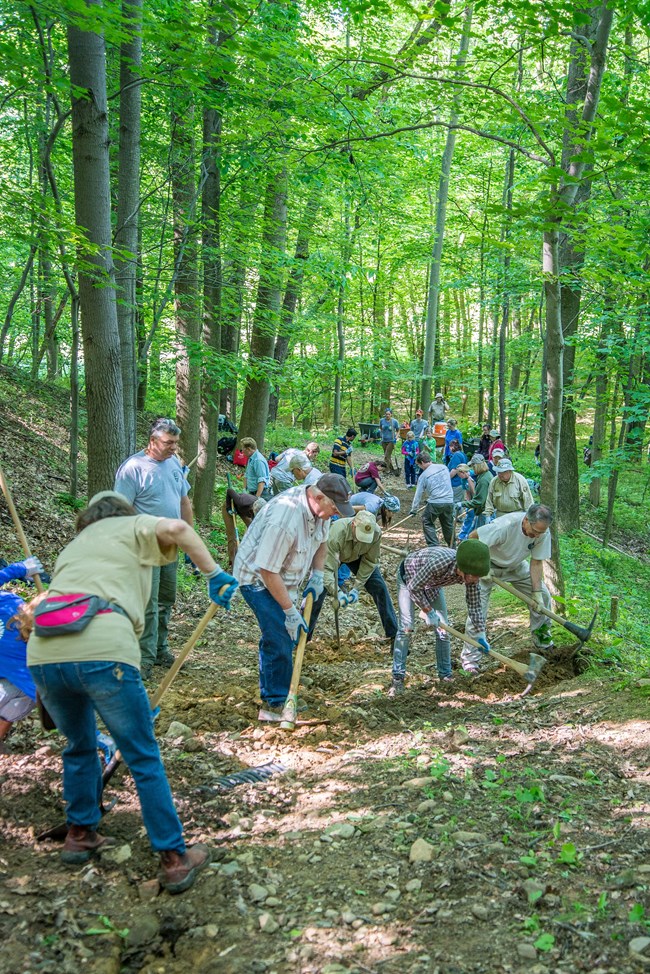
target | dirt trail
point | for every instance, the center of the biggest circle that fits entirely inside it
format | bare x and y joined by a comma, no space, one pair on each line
527,820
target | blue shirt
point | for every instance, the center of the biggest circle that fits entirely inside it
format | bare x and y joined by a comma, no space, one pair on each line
418,427
456,459
452,435
13,650
257,469
152,486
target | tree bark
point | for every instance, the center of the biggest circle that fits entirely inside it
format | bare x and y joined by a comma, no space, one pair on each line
128,198
441,216
101,342
186,284
255,408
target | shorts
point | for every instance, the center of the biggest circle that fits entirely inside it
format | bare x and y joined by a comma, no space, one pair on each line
14,704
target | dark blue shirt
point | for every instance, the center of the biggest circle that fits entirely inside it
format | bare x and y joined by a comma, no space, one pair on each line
13,650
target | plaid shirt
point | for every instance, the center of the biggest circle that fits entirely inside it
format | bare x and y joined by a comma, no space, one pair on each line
283,538
427,570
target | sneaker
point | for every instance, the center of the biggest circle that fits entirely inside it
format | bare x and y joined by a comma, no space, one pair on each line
269,714
542,638
446,679
146,672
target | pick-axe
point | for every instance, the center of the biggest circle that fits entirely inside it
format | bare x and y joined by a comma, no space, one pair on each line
578,631
529,671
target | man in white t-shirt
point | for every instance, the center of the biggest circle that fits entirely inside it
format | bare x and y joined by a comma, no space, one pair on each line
514,539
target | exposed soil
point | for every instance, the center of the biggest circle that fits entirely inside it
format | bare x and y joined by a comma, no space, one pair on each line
531,813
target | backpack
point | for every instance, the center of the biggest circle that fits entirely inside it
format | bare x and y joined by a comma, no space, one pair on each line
226,444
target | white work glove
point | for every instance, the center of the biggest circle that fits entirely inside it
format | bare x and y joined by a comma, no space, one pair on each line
538,599
294,623
430,618
315,585
348,598
33,566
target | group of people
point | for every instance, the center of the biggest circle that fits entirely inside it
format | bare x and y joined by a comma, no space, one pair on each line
102,626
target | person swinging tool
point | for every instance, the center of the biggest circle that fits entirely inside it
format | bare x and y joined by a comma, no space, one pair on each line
83,656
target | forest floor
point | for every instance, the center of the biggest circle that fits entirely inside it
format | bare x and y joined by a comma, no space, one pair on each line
458,829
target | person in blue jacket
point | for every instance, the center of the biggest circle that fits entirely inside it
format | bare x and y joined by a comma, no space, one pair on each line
17,690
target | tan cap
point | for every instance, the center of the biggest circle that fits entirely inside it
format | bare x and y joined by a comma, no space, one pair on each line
365,525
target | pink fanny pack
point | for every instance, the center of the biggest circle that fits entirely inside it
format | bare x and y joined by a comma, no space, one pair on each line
64,615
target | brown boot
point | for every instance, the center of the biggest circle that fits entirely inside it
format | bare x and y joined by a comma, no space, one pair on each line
180,870
81,843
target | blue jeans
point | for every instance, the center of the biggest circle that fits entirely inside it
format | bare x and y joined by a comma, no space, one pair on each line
410,469
275,646
72,692
376,588
368,484
407,609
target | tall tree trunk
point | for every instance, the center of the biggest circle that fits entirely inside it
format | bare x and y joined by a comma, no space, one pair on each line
211,213
101,342
505,300
441,216
128,197
255,408
232,293
186,285
600,417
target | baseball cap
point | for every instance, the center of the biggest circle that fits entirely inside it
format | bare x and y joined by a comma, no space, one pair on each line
476,458
504,465
365,524
498,452
462,468
334,486
106,494
494,433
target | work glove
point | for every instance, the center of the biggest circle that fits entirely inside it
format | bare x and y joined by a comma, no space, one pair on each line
538,599
294,623
314,585
483,643
32,566
216,580
430,618
106,745
347,598
185,470
412,513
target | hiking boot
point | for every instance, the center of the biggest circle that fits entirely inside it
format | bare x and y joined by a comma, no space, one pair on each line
179,870
165,659
396,688
542,638
146,672
81,843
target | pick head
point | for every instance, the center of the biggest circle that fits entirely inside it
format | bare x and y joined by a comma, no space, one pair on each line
535,663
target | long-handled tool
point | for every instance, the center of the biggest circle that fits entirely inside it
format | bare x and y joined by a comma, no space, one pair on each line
233,514
578,631
46,721
290,710
393,526
59,832
337,627
529,671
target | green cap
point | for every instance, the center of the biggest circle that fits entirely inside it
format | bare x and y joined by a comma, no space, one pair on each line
473,558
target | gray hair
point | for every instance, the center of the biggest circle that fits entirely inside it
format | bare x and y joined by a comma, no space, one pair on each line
299,461
161,426
537,513
258,505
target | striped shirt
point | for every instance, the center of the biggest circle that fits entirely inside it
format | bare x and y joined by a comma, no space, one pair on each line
341,450
283,538
427,570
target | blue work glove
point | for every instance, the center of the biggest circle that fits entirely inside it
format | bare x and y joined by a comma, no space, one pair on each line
430,618
216,580
294,623
106,745
32,566
483,643
347,598
315,585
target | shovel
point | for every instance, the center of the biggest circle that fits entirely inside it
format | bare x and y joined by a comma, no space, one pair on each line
59,832
529,671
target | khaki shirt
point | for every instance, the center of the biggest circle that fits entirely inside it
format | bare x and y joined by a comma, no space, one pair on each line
508,498
343,548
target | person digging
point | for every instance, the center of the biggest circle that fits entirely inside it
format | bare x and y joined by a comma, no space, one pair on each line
355,542
17,690
421,578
